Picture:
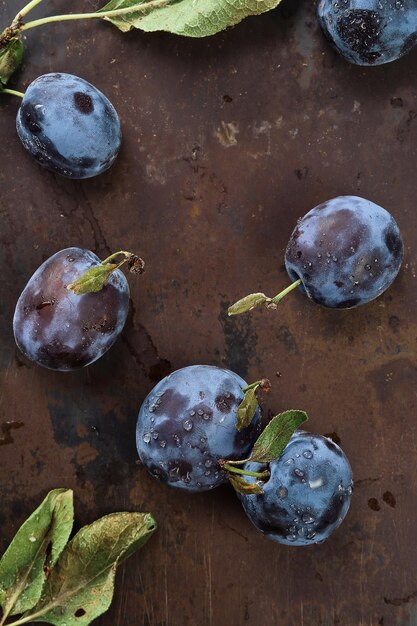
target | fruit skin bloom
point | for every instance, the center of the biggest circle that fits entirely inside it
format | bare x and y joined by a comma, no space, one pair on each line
63,331
68,126
188,423
307,495
369,32
347,251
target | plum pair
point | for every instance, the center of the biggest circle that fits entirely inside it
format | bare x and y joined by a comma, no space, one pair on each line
188,436
343,253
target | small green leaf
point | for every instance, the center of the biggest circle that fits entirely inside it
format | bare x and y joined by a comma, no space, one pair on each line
248,303
34,550
247,409
81,585
93,280
241,485
10,59
192,18
272,442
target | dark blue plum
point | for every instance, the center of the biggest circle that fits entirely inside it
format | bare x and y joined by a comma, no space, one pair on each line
307,495
187,424
63,331
369,32
346,251
69,126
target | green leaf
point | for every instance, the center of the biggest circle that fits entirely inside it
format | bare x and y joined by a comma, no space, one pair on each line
93,280
272,442
10,59
34,550
81,585
192,18
248,303
241,485
247,409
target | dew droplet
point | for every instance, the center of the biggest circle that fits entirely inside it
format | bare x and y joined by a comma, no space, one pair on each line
208,463
282,492
200,412
146,437
187,425
289,462
162,444
308,518
298,472
307,454
192,413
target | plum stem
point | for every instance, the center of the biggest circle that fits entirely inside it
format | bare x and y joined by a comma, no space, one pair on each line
142,6
264,384
26,9
12,92
236,470
253,300
285,291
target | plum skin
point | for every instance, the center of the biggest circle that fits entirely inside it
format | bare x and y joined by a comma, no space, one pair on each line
68,126
369,32
188,423
63,331
346,251
307,495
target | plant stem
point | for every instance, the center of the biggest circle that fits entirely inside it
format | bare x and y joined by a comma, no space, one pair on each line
26,9
12,92
236,470
143,6
127,256
251,386
283,293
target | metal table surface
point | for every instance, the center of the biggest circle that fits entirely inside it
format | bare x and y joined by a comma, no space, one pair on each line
227,141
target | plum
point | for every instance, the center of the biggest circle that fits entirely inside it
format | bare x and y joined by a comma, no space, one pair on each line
63,327
307,495
343,253
187,425
369,32
346,251
68,126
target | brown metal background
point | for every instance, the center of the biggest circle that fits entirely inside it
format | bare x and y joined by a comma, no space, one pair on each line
227,141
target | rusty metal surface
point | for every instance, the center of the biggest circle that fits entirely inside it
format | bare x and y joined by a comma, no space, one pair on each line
227,141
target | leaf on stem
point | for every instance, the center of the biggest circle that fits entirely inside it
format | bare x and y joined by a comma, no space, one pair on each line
241,485
187,17
81,586
34,550
248,303
247,409
11,57
272,442
93,280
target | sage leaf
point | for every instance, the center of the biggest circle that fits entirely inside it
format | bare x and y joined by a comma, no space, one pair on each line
81,585
248,303
272,442
93,280
191,18
247,409
34,551
241,485
11,57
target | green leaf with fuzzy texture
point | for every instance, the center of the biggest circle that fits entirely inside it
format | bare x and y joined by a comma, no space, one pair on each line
191,18
34,550
272,442
248,303
10,59
81,585
247,409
